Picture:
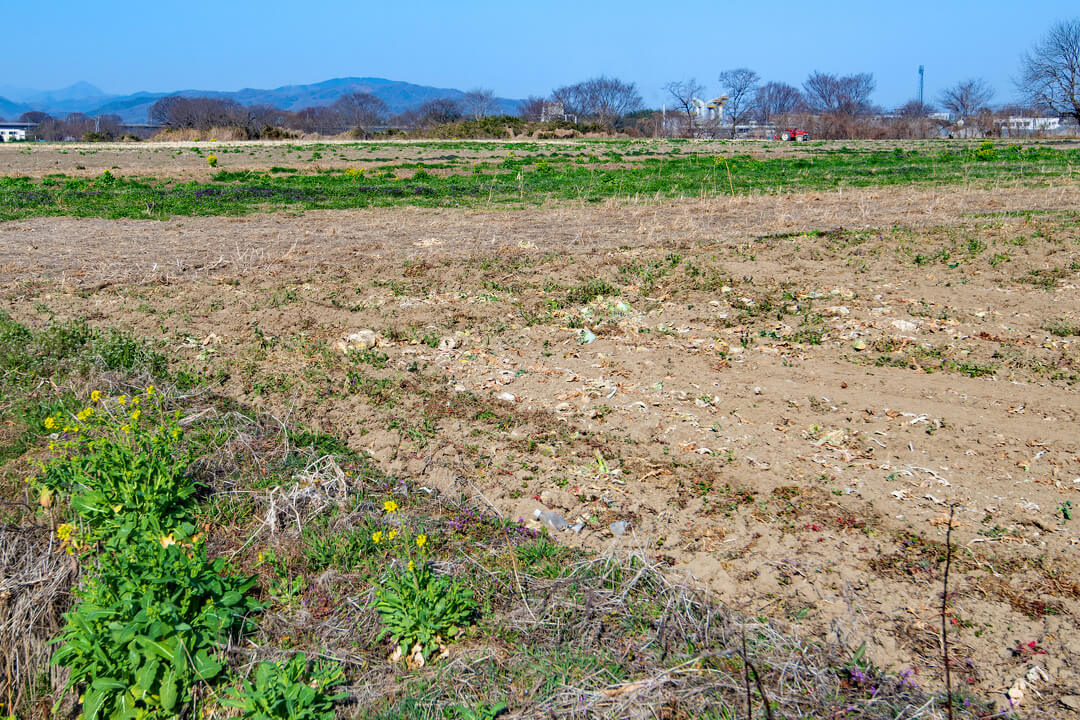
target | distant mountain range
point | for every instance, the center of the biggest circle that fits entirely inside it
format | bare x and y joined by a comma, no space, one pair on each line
85,98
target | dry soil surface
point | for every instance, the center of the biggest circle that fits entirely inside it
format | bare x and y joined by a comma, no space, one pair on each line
781,395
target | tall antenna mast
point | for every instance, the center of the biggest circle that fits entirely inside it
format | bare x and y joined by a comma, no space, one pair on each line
921,71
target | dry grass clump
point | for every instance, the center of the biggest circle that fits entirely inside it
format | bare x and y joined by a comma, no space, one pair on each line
36,579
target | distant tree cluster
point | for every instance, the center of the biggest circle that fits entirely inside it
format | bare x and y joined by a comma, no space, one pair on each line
359,113
75,126
839,106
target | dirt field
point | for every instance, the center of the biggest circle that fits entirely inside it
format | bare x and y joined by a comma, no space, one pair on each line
782,395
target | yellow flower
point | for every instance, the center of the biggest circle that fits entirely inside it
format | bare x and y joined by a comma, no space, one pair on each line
64,531
390,506
175,432
122,400
376,537
116,508
125,428
95,396
50,423
85,413
135,415
392,534
167,540
421,541
411,565
135,400
149,391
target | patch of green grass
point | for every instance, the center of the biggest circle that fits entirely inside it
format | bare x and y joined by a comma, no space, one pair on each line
590,290
1062,327
521,180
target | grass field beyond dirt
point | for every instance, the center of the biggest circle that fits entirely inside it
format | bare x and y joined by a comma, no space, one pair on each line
513,175
779,394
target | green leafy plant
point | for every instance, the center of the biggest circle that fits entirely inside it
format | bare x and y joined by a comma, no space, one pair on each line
211,160
121,461
153,611
146,629
422,612
480,712
287,691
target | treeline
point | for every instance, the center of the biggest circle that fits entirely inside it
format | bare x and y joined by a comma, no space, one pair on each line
834,106
599,104
74,126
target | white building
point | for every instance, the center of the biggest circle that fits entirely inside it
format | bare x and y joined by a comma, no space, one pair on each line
1032,124
12,131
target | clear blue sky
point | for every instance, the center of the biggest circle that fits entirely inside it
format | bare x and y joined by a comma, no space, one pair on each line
518,48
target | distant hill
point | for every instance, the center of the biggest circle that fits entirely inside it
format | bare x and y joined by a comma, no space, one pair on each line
84,97
11,110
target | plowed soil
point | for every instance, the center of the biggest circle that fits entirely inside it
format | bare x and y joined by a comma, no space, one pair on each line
782,395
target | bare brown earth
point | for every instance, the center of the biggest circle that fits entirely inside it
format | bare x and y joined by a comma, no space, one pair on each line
787,416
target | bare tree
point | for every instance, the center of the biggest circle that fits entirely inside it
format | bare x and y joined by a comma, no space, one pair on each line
914,109
108,125
321,119
775,100
34,116
263,116
77,125
439,111
843,95
683,93
967,98
200,113
839,101
361,111
531,108
1050,73
739,85
479,102
602,99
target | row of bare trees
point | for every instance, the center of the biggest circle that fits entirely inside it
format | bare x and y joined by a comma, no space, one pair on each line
75,126
358,112
839,106
604,101
835,101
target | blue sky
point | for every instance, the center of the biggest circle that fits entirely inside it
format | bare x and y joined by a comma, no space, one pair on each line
520,48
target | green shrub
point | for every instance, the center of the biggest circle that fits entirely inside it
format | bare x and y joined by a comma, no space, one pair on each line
152,613
985,151
589,291
422,611
120,461
147,628
287,692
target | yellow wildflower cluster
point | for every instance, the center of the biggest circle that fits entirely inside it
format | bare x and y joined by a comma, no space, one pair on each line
68,541
378,537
